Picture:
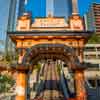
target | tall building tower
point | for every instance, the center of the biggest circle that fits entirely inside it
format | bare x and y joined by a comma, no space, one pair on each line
59,8
4,14
62,8
20,7
49,7
37,7
93,18
12,15
16,9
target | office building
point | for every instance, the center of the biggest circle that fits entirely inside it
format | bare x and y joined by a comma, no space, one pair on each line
93,18
4,15
20,7
12,16
59,8
63,8
92,53
16,9
49,7
37,7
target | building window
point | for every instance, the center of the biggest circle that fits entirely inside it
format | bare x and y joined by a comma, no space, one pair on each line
98,82
98,48
90,49
98,56
90,56
92,83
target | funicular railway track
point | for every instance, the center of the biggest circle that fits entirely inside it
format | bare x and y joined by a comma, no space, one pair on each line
51,89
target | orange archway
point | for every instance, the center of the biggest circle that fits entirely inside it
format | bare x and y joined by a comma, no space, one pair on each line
54,38
52,51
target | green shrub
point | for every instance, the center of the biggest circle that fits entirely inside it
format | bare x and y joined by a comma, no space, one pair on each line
6,82
94,39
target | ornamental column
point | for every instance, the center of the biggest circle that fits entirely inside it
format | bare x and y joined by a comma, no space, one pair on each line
21,53
74,7
80,85
21,85
81,55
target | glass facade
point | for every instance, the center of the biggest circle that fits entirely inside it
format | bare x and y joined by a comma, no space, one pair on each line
62,8
36,7
49,7
41,8
11,20
16,9
4,13
21,7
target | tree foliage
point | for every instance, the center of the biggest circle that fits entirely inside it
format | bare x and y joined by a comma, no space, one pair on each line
94,39
6,82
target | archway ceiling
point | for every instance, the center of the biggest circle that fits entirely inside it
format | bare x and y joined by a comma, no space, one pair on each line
50,51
